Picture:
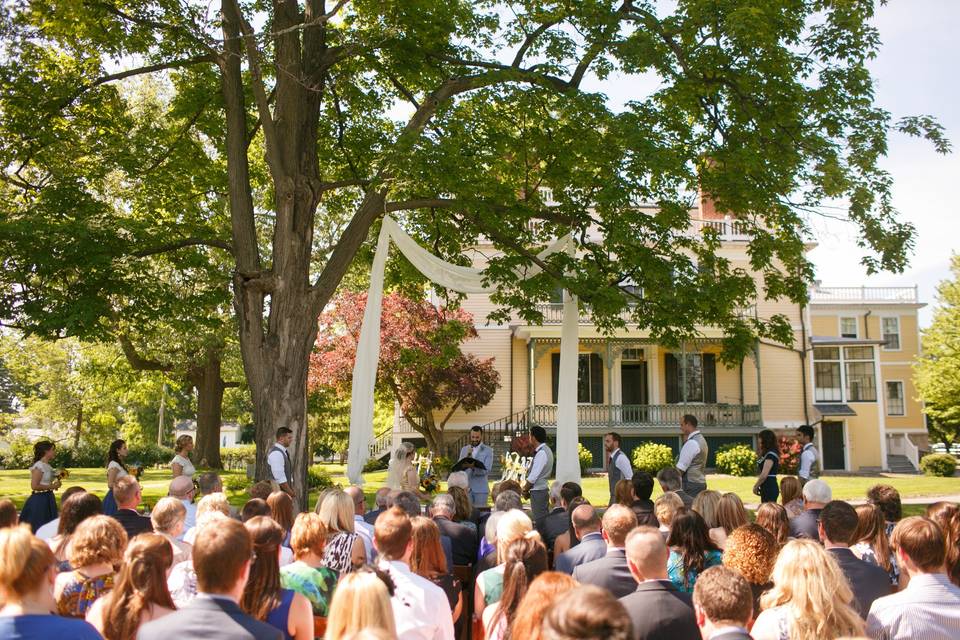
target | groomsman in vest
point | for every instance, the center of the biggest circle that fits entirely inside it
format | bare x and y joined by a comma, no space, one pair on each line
281,468
693,457
619,467
540,470
809,456
479,488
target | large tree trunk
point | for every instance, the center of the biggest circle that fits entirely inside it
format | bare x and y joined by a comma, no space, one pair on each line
209,386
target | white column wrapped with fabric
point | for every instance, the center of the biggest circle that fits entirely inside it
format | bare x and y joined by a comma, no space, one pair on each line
568,463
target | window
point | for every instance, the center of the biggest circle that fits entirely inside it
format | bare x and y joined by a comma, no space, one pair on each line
890,327
691,379
828,386
589,378
861,375
848,328
556,296
632,354
895,405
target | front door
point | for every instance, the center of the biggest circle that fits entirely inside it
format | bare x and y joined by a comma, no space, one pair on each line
633,391
833,445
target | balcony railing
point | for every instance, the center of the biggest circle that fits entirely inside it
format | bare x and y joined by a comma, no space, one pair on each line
864,294
653,415
728,229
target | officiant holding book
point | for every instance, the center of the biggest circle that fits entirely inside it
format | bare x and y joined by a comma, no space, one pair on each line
477,459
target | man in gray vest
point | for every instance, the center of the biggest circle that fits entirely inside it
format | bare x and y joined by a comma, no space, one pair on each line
540,470
620,467
693,457
281,468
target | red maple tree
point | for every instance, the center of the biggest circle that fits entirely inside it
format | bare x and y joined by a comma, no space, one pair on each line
421,362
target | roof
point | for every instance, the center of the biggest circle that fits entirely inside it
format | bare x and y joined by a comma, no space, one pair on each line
835,409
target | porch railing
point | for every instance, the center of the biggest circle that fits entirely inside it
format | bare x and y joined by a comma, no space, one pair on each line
864,294
654,415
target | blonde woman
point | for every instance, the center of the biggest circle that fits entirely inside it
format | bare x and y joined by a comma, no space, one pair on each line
215,502
168,517
361,603
344,549
512,525
706,504
810,599
181,464
665,508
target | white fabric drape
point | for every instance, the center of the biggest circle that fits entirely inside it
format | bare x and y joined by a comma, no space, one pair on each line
464,280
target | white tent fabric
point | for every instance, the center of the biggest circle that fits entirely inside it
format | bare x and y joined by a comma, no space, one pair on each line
464,280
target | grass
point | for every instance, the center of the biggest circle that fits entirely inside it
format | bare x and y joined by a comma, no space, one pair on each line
15,484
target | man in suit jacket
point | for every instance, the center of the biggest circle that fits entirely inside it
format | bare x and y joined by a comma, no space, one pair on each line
557,521
380,498
816,494
221,560
723,604
838,524
462,537
126,491
657,608
642,504
611,571
587,526
479,484
670,479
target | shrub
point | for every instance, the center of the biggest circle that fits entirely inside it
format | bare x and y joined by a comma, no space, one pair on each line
585,458
652,456
943,465
736,460
237,483
318,477
238,457
789,455
374,464
147,455
20,456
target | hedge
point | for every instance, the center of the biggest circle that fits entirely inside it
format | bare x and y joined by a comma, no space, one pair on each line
736,460
585,458
652,456
20,456
943,465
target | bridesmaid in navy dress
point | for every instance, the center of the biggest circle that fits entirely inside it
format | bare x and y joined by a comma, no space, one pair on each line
41,507
116,469
768,465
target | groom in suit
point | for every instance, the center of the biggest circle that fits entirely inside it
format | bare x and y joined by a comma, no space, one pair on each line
723,603
479,487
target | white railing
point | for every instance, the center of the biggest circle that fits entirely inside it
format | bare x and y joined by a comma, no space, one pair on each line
864,294
911,451
728,228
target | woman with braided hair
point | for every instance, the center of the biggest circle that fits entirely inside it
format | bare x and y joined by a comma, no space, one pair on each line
524,560
263,597
140,593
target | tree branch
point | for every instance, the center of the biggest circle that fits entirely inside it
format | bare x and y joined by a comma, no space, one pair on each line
340,184
531,38
185,242
183,132
138,362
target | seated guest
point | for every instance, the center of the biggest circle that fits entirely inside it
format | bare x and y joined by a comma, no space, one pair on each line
504,499
751,551
380,500
706,504
816,494
730,515
464,513
281,510
260,490
929,606
344,549
427,560
642,505
691,549
611,571
888,499
810,598
9,516
168,518
50,529
623,493
406,500
463,538
263,598
489,559
362,604
27,570
221,560
361,526
586,525
947,516
838,524
182,489
671,480
587,613
555,522
96,550
254,507
525,559
307,575
568,539
140,593
773,517
210,482
182,581
126,491
77,508
543,592
657,608
665,508
212,503
420,608
791,496
872,544
511,526
723,605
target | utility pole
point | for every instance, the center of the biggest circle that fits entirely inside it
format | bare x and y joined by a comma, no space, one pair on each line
163,403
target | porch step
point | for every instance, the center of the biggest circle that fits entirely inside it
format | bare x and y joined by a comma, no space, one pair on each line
900,464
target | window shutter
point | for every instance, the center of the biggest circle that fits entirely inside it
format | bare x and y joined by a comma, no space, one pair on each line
596,379
672,375
709,378
555,373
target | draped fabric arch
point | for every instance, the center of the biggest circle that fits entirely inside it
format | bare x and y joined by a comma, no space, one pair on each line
464,280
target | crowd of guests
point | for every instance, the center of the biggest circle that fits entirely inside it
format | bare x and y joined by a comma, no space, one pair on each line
805,568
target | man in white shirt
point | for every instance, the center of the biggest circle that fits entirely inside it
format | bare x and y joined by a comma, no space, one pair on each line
929,606
809,456
360,526
182,489
539,473
619,467
693,457
281,467
421,610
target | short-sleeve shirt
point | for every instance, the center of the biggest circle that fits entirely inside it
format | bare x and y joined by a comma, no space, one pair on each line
185,464
120,470
317,584
46,471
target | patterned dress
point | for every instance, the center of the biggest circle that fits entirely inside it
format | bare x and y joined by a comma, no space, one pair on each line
676,574
316,584
81,592
338,554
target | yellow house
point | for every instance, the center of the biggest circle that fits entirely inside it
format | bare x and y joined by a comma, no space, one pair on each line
847,373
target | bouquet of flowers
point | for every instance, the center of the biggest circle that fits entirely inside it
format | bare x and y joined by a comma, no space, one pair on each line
136,470
62,474
428,479
429,483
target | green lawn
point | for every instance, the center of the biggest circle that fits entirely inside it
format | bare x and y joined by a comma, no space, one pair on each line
15,484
